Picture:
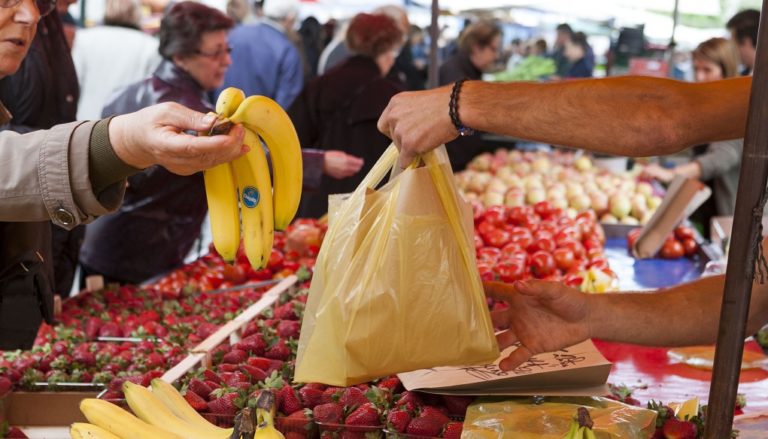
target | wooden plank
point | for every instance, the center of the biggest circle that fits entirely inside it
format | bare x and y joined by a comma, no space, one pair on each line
743,252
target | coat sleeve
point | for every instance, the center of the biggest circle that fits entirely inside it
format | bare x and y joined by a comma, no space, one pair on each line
49,177
720,158
291,78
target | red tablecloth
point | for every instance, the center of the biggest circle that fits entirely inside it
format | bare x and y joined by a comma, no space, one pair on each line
671,381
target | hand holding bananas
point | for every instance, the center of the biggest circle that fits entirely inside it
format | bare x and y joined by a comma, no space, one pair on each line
156,135
241,192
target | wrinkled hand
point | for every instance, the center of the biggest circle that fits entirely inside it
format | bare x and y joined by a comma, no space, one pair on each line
543,317
156,136
339,164
655,171
418,122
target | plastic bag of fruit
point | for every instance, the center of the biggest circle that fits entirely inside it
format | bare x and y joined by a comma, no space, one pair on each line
550,418
396,287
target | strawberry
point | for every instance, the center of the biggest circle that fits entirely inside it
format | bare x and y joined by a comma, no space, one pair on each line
409,400
676,429
205,329
240,385
310,397
452,430
210,375
429,423
331,394
457,405
154,360
224,405
254,345
200,388
213,386
227,367
318,386
392,383
111,395
351,398
233,377
196,401
398,420
330,413
288,328
235,356
5,386
289,402
255,373
110,329
286,311
85,358
366,415
279,351
265,364
92,327
147,378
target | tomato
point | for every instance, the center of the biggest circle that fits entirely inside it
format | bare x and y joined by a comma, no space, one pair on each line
478,242
600,263
215,278
510,270
564,258
587,215
497,238
519,255
575,246
547,227
486,271
594,253
518,213
592,243
567,232
276,260
543,209
234,273
573,280
684,232
632,237
521,236
672,249
530,221
542,264
496,215
485,228
690,246
544,243
490,254
477,211
512,248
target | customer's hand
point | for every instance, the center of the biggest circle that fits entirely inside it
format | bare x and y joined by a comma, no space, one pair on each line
542,317
653,170
339,164
156,136
418,122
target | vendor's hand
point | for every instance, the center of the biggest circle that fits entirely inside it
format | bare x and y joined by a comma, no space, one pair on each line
339,164
418,122
542,317
156,136
653,170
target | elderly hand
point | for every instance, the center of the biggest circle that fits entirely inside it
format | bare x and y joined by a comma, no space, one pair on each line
339,164
418,122
156,135
664,175
542,316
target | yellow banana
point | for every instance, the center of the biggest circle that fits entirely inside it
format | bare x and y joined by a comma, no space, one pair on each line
574,427
221,193
172,399
589,433
228,101
82,430
265,417
149,409
267,119
119,422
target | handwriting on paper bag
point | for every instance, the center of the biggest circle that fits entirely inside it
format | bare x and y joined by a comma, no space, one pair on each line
561,359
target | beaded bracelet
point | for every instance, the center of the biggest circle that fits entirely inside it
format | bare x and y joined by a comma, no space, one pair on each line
453,110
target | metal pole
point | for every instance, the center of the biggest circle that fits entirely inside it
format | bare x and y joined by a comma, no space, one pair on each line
743,252
675,20
434,34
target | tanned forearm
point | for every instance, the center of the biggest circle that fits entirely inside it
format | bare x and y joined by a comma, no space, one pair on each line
632,116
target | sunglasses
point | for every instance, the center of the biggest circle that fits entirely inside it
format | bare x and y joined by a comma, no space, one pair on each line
44,7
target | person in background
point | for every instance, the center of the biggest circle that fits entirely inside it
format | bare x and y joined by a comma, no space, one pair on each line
563,34
41,94
713,60
265,61
99,72
579,56
69,25
339,109
419,51
478,50
312,38
743,27
162,211
537,48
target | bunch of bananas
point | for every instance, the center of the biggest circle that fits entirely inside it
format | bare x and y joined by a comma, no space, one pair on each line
262,208
161,413
581,426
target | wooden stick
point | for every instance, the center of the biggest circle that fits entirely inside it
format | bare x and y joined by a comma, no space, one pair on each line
742,257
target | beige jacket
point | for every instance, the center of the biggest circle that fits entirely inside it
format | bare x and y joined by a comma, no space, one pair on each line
44,175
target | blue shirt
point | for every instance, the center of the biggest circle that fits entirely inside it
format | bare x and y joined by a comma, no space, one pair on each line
264,62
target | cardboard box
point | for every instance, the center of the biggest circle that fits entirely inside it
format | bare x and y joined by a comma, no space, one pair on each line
720,229
44,408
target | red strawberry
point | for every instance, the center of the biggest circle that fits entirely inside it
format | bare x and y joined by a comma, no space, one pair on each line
409,400
92,327
210,375
224,405
266,364
331,394
398,420
196,401
289,402
235,356
288,328
154,361
85,358
452,430
330,413
5,386
457,405
429,423
200,388
279,351
255,373
110,329
286,311
111,395
205,329
227,368
233,377
676,429
213,385
147,378
366,414
241,385
310,397
254,345
318,386
392,383
352,397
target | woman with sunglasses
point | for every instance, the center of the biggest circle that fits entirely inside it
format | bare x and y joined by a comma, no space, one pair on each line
74,172
162,213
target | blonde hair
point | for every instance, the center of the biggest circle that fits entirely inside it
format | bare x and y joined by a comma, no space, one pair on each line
721,52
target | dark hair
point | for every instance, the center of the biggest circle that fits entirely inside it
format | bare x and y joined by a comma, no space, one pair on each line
373,34
183,27
564,27
480,34
744,25
580,39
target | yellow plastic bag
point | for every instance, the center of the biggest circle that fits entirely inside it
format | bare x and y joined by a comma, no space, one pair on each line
395,286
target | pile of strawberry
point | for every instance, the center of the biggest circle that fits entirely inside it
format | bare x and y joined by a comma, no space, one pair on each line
537,242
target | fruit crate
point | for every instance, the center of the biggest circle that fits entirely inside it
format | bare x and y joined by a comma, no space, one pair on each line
334,431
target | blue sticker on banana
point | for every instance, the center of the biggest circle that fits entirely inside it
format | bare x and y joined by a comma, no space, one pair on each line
251,197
